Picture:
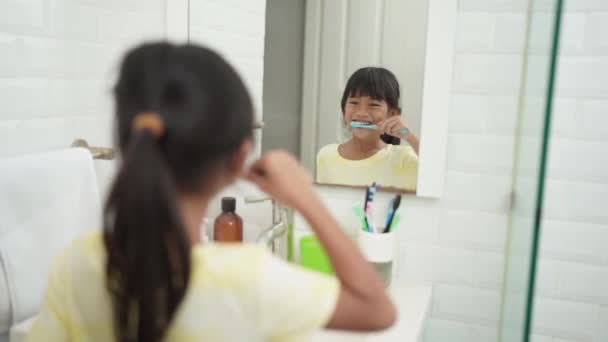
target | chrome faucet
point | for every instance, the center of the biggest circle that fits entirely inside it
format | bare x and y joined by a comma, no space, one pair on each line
278,228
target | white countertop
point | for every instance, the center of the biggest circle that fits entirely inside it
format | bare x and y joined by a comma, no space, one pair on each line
413,303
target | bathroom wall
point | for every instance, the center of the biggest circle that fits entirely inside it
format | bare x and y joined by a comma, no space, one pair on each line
59,58
234,28
572,296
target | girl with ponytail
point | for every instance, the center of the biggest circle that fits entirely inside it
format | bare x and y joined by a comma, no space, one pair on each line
184,129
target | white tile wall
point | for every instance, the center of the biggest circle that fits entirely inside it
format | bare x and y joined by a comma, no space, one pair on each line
239,39
446,330
59,59
572,301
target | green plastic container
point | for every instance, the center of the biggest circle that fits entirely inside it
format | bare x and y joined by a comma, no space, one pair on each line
313,256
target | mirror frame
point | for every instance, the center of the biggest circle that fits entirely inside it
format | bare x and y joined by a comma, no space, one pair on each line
436,95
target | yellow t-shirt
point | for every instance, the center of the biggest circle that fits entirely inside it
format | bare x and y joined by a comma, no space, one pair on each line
237,292
394,165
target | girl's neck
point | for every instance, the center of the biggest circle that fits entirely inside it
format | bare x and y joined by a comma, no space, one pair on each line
192,210
357,149
366,146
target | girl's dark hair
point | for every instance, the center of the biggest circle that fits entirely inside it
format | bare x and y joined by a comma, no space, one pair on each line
207,114
377,83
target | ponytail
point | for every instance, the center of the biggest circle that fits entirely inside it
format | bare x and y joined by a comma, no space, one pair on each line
170,101
148,252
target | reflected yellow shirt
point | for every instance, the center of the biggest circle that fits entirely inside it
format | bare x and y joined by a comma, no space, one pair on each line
394,165
237,292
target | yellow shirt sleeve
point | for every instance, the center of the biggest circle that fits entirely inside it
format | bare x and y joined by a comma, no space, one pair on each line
236,292
52,324
293,301
324,158
407,168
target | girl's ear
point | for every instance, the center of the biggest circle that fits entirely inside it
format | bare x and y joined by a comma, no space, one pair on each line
237,163
394,112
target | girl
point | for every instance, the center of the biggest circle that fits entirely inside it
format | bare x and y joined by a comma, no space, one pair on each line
184,127
371,96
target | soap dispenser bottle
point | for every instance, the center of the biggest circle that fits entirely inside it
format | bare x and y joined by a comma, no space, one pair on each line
228,226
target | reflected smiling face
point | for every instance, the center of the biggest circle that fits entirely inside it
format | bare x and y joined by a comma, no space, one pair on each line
366,110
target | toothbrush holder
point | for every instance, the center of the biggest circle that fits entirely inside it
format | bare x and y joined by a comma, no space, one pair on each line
379,250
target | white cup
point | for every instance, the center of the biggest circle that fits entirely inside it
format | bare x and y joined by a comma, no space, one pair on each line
379,250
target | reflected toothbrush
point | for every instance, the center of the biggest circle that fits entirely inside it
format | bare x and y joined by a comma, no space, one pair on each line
356,124
389,215
372,193
367,226
359,213
395,222
393,210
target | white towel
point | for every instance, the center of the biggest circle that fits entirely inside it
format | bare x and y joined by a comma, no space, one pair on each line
46,200
19,331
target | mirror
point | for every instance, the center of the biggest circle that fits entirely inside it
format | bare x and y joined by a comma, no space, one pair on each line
344,86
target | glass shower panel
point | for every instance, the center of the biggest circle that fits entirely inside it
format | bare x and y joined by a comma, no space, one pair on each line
528,175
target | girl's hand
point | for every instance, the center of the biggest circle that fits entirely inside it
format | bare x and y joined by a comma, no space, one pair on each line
280,175
394,126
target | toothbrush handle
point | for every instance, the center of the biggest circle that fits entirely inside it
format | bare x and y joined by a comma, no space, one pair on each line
394,223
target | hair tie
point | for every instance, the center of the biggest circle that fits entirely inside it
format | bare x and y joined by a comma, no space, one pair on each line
151,122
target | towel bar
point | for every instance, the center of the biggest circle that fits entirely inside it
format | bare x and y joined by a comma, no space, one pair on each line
104,153
107,153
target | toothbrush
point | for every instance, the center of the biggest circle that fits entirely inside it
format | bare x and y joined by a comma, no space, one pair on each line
359,213
393,210
368,217
370,207
389,215
365,210
395,222
355,124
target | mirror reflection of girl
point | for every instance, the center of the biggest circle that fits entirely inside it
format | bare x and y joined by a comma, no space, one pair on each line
371,96
184,129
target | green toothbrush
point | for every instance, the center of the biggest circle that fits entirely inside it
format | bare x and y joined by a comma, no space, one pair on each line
359,213
395,222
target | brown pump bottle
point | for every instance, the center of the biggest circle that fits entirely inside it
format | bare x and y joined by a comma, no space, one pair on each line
228,226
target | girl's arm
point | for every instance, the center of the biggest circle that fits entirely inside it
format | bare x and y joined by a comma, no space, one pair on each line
363,303
412,139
